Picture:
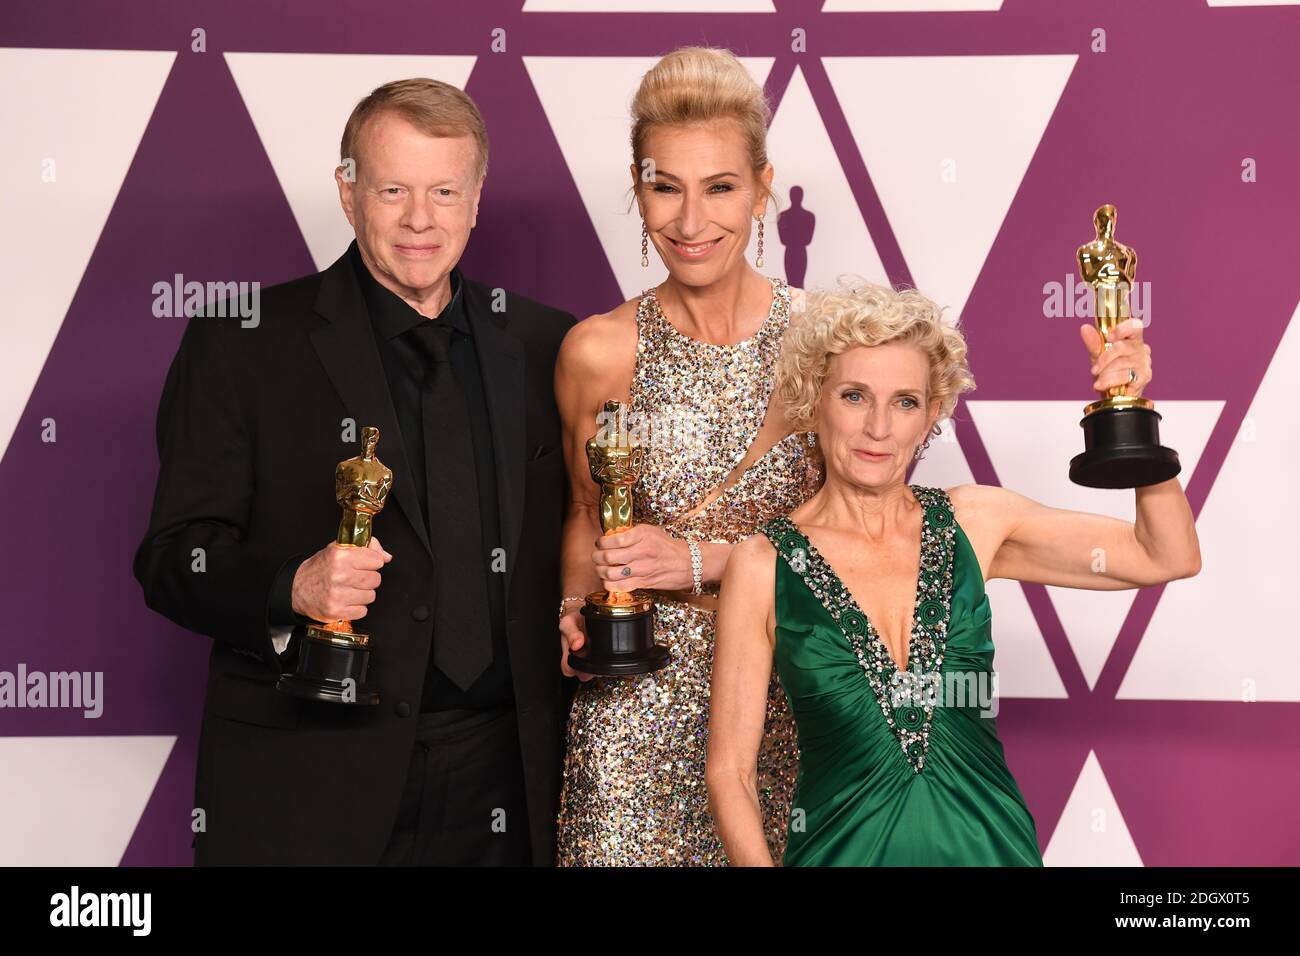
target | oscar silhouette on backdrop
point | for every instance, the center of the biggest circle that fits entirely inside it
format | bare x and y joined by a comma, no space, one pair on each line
795,228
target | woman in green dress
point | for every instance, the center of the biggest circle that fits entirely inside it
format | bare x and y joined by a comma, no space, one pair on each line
869,601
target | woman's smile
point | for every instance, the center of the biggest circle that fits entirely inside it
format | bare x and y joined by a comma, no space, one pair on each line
693,251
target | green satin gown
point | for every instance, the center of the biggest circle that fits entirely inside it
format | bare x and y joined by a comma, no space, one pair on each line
896,768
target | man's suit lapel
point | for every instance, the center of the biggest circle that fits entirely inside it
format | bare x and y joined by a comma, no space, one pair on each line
501,361
347,349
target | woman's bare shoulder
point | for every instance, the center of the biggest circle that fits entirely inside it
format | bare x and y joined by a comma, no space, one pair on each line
988,508
984,497
751,568
754,559
756,549
620,318
601,344
971,498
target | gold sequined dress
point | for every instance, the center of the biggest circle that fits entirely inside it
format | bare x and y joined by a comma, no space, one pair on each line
634,790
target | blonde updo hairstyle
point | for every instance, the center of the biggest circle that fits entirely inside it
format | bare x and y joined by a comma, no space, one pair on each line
695,86
860,313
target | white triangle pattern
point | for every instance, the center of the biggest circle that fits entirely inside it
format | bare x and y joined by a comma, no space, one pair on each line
1228,634
303,143
75,801
802,155
1031,444
1091,830
78,115
918,119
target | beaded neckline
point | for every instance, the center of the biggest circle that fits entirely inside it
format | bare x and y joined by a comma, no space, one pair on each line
779,309
906,707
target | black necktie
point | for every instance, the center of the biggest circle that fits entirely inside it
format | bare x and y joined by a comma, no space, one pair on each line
462,634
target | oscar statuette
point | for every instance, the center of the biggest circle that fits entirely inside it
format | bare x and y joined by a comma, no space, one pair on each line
333,659
1121,432
619,624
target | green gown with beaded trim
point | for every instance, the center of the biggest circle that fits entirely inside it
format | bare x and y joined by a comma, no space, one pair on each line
896,768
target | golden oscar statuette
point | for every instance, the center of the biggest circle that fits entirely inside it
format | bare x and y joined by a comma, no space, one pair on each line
620,624
1121,432
333,659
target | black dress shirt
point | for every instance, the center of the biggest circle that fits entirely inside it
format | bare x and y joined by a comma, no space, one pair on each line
391,319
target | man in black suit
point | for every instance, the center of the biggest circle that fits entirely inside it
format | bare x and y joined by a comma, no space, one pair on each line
460,762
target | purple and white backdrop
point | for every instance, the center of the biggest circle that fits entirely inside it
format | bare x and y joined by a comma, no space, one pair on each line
957,145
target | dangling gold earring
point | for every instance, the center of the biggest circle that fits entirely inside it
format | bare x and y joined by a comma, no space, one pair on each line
645,246
758,260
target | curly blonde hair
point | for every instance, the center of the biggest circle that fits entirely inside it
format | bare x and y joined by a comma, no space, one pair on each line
860,313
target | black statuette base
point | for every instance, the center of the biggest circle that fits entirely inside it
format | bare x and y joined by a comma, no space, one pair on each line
619,647
1123,450
324,668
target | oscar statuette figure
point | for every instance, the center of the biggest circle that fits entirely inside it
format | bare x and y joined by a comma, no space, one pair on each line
333,659
619,624
1121,432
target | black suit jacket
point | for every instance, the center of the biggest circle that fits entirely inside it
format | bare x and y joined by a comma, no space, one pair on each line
251,425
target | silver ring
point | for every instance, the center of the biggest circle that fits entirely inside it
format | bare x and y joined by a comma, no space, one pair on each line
1132,376
627,570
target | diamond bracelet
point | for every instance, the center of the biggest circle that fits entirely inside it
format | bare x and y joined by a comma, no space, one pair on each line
697,567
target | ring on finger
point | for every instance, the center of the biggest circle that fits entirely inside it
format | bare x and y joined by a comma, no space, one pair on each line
1132,376
627,570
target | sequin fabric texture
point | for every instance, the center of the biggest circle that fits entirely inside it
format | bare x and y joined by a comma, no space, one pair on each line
634,792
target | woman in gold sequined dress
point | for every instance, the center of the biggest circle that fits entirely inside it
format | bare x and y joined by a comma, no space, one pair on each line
695,358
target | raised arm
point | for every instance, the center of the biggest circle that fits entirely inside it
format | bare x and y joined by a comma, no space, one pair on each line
742,670
1075,549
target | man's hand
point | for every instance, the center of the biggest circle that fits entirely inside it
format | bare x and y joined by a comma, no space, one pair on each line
337,582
